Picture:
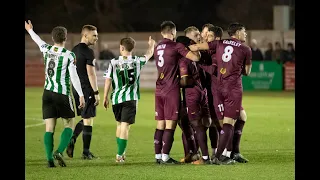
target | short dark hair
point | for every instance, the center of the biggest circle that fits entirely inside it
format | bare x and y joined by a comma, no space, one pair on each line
89,27
167,26
217,31
59,34
128,43
208,25
190,29
234,27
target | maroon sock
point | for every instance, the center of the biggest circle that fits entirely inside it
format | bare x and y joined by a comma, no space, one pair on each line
158,141
186,134
213,135
167,140
193,141
237,135
224,138
185,144
230,143
202,140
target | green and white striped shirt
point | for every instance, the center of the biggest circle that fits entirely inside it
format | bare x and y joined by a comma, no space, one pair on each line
60,67
57,61
125,75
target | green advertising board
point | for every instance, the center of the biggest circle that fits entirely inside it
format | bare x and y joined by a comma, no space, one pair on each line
265,75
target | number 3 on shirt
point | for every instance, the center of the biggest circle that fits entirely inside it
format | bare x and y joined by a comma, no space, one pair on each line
161,60
226,56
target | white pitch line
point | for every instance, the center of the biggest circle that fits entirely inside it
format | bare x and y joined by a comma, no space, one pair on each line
34,125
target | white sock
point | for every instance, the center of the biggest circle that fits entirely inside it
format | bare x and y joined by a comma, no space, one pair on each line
165,157
228,153
205,157
224,152
158,156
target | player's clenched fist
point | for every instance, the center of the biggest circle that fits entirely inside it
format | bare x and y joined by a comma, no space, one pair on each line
28,25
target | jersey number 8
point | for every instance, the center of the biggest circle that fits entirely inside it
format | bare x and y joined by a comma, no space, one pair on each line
227,55
51,66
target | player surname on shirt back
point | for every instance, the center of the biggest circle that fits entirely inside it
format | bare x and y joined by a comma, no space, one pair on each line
59,65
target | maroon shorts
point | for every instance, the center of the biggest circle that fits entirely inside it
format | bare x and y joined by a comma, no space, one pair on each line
228,103
197,103
167,105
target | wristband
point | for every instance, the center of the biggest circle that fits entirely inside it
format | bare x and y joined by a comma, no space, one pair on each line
96,92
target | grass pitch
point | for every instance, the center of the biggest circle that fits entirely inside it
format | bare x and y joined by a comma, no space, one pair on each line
267,141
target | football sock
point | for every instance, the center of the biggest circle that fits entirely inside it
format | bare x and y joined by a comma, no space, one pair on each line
185,145
165,157
64,139
158,156
237,135
158,141
86,137
224,153
122,146
214,150
78,129
192,140
213,135
48,144
202,139
167,141
229,145
224,138
117,139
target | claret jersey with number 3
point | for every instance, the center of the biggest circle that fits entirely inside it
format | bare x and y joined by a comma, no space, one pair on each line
166,55
125,74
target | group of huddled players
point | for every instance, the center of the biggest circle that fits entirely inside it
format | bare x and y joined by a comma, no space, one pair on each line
199,88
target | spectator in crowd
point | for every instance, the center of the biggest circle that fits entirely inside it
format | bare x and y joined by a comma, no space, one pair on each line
279,54
256,52
268,52
290,53
106,54
104,58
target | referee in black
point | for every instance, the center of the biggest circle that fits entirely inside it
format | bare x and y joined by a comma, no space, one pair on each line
85,62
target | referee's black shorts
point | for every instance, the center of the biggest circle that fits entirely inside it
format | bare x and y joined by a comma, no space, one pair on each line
125,111
89,110
55,105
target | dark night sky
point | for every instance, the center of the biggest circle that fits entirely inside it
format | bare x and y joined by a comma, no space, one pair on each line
146,15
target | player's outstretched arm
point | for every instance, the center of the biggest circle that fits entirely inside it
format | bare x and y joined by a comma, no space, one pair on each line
185,41
194,56
29,27
198,47
150,50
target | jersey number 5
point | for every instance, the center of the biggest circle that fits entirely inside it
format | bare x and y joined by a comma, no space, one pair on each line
130,77
226,56
161,60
